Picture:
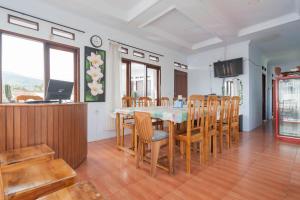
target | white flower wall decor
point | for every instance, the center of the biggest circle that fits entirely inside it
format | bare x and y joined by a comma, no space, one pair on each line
94,75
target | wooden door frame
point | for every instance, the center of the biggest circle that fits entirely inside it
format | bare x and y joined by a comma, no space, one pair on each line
264,97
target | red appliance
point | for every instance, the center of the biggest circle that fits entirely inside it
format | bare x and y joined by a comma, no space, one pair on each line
288,108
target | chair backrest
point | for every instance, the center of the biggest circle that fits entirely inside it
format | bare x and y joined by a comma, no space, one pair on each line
145,101
235,109
128,102
165,101
196,114
28,97
211,113
225,110
143,124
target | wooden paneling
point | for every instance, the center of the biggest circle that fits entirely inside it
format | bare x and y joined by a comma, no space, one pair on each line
63,127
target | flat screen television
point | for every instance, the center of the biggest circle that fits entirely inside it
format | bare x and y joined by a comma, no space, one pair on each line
228,68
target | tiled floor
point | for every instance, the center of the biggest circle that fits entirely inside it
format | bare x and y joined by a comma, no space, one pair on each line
260,168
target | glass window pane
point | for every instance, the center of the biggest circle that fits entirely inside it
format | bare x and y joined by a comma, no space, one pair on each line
123,79
62,66
138,84
152,83
22,67
289,107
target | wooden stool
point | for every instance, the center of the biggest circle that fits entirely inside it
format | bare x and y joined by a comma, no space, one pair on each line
33,153
79,191
31,182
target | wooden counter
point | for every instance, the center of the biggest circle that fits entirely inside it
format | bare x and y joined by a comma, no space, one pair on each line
63,127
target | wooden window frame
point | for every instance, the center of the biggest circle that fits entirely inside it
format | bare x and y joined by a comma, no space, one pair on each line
24,20
47,45
72,34
148,66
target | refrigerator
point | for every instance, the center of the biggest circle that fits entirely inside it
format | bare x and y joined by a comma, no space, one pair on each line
288,108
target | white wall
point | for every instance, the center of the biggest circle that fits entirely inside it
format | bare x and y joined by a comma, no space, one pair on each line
201,74
96,118
257,60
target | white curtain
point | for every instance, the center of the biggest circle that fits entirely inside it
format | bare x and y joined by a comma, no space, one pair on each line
113,99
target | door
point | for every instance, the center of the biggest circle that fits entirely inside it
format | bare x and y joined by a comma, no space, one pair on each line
264,97
180,83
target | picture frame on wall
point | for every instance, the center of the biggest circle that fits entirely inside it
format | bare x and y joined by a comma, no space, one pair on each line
94,75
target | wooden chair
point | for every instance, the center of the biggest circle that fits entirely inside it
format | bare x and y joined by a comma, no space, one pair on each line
127,121
31,182
224,123
128,102
28,97
144,101
234,118
211,125
78,191
32,154
165,101
195,129
146,135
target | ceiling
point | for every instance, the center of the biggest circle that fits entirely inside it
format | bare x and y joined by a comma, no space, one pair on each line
197,25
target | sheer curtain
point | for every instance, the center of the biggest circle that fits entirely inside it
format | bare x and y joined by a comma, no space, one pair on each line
113,83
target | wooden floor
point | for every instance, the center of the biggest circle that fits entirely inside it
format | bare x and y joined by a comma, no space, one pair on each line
260,168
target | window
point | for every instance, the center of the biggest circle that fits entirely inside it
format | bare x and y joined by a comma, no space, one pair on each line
154,58
124,50
27,65
138,80
176,64
144,79
23,22
22,67
62,65
62,33
138,54
152,83
179,65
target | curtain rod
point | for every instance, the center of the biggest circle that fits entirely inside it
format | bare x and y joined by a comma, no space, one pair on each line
45,20
136,48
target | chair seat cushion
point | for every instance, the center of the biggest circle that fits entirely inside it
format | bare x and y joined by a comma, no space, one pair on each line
159,135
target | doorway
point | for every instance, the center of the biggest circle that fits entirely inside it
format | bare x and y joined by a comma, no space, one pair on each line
264,117
180,83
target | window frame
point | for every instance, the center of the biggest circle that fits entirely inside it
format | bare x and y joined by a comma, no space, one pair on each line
9,17
47,45
61,30
148,66
138,54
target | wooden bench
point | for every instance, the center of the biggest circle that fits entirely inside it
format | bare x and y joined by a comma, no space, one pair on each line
79,191
28,154
28,182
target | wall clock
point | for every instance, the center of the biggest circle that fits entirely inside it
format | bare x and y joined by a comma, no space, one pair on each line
96,41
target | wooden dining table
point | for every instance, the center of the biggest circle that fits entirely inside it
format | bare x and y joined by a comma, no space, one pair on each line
169,114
